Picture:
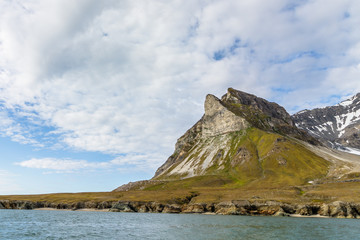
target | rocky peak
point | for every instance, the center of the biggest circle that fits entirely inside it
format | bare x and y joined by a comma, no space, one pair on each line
236,111
212,105
218,119
262,114
336,126
270,109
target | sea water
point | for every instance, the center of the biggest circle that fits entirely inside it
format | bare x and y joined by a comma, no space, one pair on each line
32,224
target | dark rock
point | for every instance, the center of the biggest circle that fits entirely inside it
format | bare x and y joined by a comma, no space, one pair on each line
104,205
307,210
155,207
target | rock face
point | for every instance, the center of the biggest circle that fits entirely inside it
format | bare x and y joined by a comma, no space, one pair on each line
218,119
229,138
336,126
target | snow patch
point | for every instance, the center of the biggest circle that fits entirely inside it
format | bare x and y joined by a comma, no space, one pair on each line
347,102
351,150
345,120
303,111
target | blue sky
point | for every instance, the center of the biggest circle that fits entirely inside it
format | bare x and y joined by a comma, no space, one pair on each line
94,94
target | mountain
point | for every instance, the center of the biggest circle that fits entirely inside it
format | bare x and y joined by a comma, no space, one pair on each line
241,140
246,147
336,126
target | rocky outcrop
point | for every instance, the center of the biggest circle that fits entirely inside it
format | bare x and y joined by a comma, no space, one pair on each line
273,114
264,115
336,126
218,119
336,209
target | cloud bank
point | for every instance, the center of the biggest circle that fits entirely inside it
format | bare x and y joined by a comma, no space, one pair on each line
129,77
55,165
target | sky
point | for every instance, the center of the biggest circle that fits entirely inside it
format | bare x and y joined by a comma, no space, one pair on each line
94,94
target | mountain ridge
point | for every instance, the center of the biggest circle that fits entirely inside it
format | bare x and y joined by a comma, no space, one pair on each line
335,126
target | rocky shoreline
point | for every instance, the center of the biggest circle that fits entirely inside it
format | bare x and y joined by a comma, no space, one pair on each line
336,209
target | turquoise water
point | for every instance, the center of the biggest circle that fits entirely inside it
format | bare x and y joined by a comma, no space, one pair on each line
27,224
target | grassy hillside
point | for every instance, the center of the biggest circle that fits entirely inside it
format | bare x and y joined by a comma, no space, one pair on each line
246,158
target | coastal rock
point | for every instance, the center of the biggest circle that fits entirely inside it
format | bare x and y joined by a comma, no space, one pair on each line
340,209
281,213
155,207
121,207
172,208
195,208
226,208
288,208
335,209
104,205
78,205
143,209
269,210
5,204
307,210
63,206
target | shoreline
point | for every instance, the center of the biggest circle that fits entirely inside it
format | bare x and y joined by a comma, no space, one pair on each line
308,216
236,207
206,213
72,210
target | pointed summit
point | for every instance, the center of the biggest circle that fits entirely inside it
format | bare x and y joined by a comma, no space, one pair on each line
228,141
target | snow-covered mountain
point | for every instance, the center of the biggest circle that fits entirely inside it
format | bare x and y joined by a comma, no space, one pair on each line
336,126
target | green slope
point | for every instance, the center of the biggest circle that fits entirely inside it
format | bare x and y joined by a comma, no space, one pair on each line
248,158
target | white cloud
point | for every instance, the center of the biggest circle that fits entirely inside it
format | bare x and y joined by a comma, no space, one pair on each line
60,164
54,165
130,77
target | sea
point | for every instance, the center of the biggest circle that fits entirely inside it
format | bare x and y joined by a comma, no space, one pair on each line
43,224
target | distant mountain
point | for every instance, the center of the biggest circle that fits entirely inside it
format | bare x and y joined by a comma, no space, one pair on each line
336,126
